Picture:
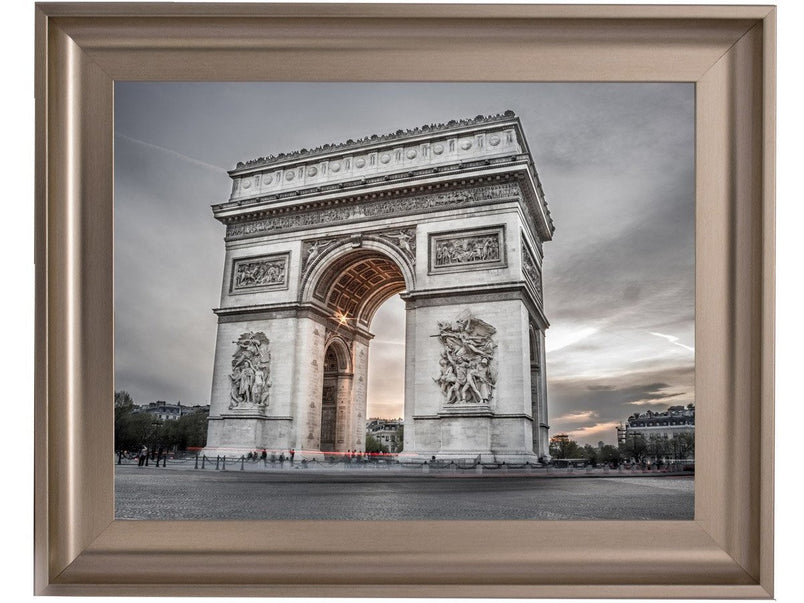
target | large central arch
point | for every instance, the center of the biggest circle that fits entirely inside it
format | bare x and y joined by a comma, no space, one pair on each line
352,280
450,217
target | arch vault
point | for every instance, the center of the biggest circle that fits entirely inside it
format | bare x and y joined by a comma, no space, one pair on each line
453,218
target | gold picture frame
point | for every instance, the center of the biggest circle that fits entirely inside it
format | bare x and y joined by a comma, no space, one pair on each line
729,52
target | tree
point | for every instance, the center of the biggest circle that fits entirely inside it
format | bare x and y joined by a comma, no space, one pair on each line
123,409
590,453
562,447
400,439
684,446
135,432
374,445
193,430
609,454
635,447
659,447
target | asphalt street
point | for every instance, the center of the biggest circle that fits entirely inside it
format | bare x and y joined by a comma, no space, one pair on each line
185,494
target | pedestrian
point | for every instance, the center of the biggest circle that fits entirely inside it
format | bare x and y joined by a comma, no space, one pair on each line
264,457
281,459
292,454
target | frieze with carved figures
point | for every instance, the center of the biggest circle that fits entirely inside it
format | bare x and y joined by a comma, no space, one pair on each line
467,250
259,273
374,208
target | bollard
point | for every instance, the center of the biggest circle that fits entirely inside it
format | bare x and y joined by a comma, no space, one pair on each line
242,462
425,467
119,458
217,462
196,461
223,465
203,461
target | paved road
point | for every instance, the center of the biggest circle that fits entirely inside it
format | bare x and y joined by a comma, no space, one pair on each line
150,493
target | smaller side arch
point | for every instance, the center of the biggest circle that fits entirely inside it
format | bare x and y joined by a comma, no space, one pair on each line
340,349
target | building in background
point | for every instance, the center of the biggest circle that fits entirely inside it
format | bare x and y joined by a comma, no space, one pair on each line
387,432
659,435
167,411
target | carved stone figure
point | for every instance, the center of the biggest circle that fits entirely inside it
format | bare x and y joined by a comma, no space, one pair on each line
468,366
259,272
404,239
313,249
531,271
467,250
251,371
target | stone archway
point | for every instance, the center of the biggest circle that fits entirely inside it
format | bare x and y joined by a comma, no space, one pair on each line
336,386
453,219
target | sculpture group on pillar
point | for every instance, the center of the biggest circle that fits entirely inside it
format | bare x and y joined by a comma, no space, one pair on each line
251,371
468,365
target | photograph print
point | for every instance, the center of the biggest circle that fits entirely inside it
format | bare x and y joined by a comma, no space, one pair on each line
383,301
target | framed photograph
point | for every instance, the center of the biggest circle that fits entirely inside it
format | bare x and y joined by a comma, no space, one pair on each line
339,150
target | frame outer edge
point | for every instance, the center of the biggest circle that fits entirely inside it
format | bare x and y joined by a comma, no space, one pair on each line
769,300
400,9
41,548
70,254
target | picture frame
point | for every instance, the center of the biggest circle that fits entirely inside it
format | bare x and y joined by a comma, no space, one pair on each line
729,52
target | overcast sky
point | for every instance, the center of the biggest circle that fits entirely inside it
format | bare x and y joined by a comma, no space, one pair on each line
617,165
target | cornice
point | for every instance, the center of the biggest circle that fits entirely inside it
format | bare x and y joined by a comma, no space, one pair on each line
367,142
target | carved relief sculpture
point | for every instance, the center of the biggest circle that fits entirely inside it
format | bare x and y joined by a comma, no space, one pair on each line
313,249
404,239
256,273
532,271
251,371
467,250
468,365
373,209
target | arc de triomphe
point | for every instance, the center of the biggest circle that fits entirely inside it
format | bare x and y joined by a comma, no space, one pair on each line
450,216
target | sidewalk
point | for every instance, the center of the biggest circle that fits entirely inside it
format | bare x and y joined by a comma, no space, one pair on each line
439,469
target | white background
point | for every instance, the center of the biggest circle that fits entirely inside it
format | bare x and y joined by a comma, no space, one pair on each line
16,389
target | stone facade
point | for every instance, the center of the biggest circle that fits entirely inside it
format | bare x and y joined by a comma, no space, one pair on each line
453,218
667,424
